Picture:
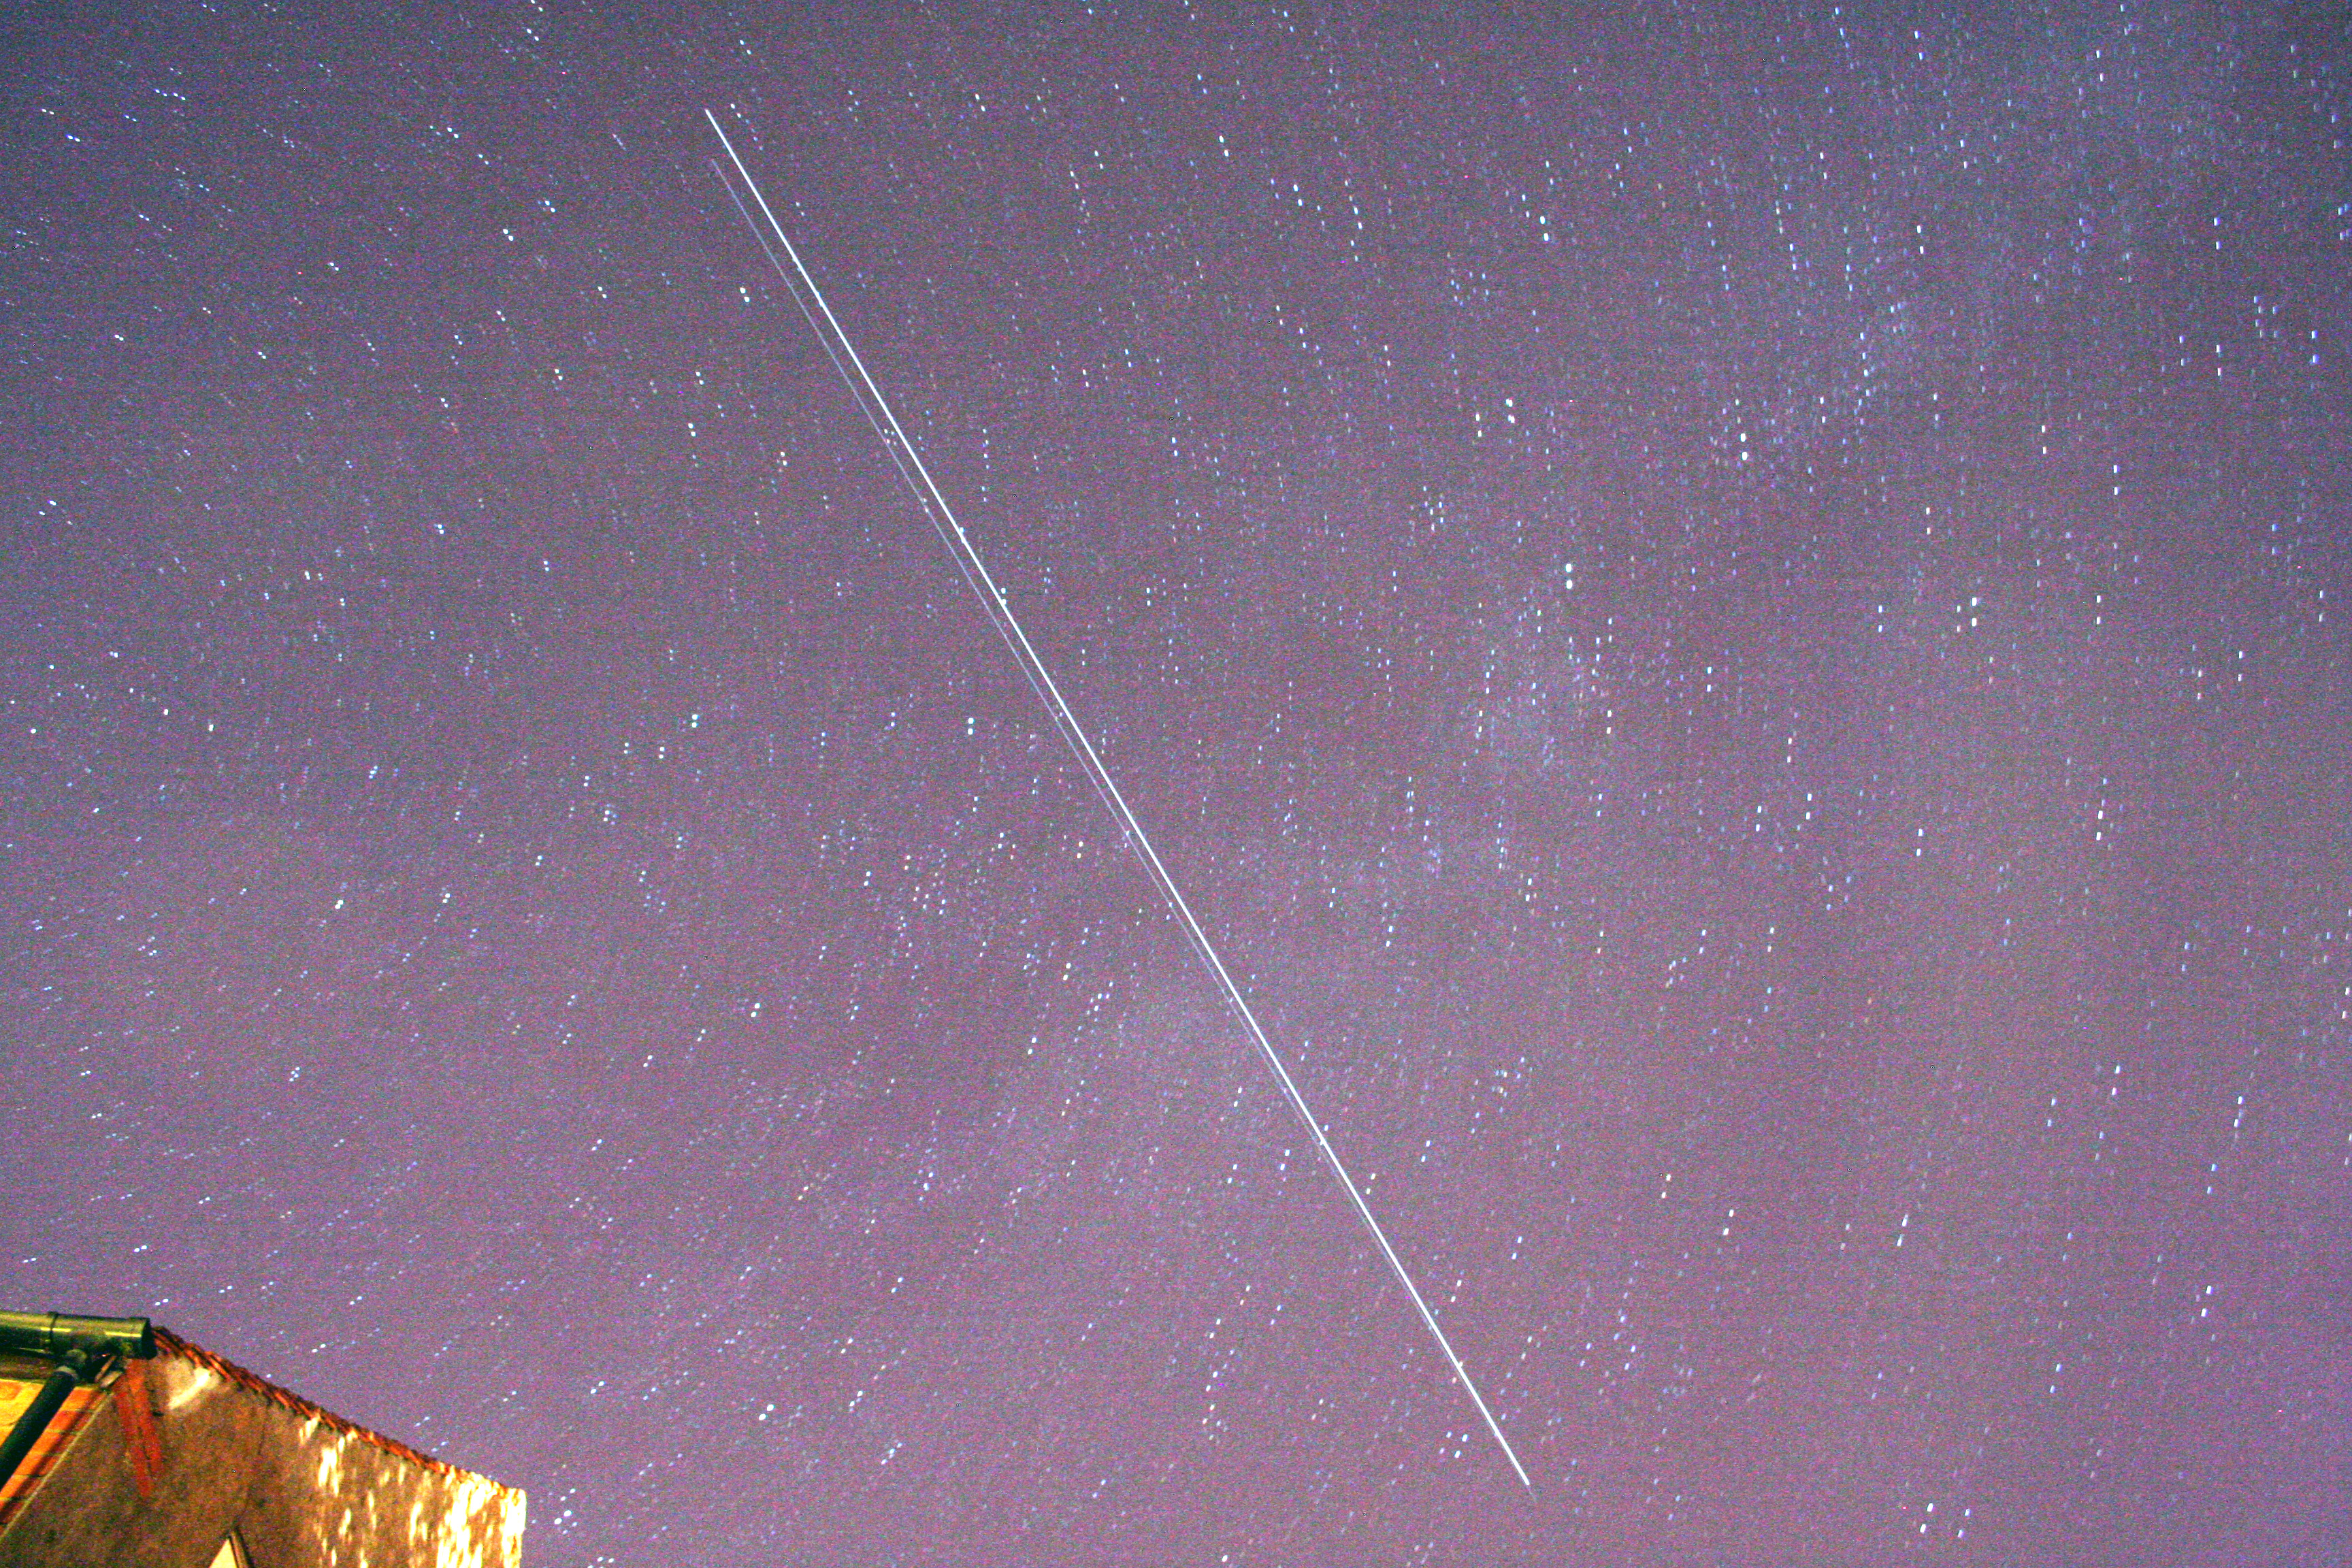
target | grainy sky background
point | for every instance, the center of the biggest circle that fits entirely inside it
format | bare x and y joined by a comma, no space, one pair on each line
1739,616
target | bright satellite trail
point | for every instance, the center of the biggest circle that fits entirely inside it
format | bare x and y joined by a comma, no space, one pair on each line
976,572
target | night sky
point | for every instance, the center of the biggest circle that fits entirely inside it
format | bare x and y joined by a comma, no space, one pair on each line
1739,620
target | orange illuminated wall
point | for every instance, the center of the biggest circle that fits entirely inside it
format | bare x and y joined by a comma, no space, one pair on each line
16,1392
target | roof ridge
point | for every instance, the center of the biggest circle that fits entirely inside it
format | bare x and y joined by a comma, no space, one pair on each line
168,1342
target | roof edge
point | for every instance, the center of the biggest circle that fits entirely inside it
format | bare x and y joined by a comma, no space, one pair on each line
169,1343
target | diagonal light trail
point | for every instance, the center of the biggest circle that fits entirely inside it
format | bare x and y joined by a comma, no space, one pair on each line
976,572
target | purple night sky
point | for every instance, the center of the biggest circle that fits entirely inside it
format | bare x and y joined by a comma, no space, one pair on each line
1739,619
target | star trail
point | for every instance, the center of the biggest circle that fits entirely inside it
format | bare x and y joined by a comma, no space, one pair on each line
1732,619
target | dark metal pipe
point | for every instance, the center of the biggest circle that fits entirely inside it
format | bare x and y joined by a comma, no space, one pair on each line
73,1368
79,1346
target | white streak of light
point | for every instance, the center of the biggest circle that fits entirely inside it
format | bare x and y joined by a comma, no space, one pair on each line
975,572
